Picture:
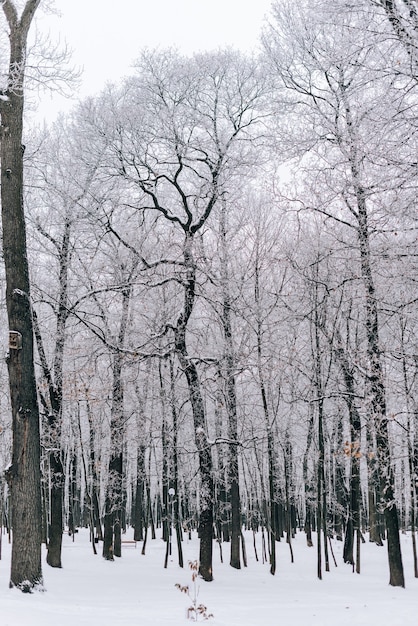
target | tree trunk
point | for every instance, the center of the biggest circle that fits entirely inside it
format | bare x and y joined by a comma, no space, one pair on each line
354,453
199,419
53,405
24,473
53,557
114,492
175,480
231,401
378,408
139,513
307,482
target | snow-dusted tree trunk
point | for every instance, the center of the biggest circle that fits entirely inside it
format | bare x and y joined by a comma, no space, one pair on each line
206,492
24,472
52,399
377,402
112,543
231,398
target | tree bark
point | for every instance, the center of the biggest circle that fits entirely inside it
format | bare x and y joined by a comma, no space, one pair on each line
272,520
199,418
24,473
231,402
112,544
378,401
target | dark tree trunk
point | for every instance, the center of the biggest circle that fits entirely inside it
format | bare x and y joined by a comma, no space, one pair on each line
319,386
320,488
354,453
288,473
24,473
53,405
72,497
112,544
307,482
272,519
176,502
56,522
117,468
373,489
108,532
378,409
231,402
94,498
139,516
222,504
199,418
165,460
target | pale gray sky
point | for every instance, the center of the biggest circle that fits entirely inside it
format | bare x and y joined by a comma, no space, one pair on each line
106,36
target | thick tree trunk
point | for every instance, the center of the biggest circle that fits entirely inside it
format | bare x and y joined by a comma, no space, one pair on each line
378,407
205,468
206,491
24,473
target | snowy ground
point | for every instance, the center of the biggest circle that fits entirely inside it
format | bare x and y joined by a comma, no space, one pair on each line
137,590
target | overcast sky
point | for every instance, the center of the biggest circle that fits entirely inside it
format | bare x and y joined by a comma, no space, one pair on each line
106,36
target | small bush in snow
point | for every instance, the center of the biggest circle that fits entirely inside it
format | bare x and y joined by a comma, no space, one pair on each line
195,611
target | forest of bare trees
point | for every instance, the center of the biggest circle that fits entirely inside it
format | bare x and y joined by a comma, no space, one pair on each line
222,252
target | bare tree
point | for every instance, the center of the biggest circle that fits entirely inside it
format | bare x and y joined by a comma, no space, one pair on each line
197,117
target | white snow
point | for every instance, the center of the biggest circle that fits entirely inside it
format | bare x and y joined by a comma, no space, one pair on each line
137,590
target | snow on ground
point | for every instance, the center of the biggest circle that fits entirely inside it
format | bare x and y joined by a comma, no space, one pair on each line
137,590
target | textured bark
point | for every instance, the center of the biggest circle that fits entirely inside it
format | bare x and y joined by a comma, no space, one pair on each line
175,480
354,453
56,398
56,501
231,402
139,512
307,482
53,399
94,497
319,386
199,418
272,519
378,403
112,544
52,403
24,474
